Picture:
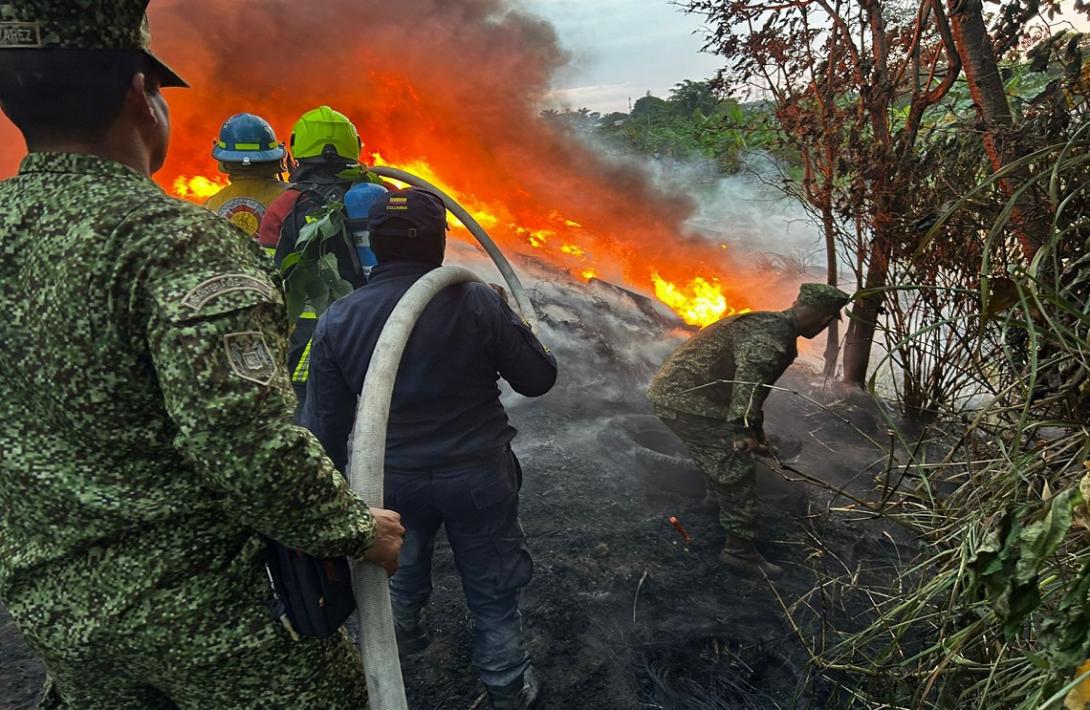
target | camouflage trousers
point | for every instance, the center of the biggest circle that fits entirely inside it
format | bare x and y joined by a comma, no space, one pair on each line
316,674
730,477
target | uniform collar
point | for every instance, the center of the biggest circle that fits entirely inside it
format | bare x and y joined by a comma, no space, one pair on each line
78,163
236,177
394,269
789,316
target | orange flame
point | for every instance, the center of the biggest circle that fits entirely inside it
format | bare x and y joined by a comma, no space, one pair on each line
420,168
198,188
701,302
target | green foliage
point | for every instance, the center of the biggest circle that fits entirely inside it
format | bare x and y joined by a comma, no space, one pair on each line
650,107
694,123
312,280
998,614
1007,565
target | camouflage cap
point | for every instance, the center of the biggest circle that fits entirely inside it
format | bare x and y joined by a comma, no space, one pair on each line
823,297
117,25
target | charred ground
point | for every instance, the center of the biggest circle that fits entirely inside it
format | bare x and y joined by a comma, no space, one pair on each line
621,613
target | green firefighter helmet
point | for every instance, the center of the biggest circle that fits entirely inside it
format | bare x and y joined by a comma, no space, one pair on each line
323,134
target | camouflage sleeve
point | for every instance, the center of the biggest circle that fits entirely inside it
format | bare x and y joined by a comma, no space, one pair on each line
759,360
216,330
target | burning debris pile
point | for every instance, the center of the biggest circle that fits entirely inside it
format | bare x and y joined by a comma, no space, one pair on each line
622,611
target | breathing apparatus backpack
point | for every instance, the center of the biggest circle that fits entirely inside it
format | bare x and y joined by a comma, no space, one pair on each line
315,256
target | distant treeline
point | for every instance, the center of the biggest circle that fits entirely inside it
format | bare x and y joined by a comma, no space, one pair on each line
693,123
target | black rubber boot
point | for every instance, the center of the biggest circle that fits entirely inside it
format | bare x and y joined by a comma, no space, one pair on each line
412,637
522,694
742,556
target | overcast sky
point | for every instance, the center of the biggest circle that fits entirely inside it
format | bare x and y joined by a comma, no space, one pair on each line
623,49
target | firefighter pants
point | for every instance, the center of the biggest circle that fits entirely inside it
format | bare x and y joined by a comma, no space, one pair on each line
478,504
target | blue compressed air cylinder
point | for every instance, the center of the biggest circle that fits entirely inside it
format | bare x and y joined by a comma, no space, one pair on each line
357,203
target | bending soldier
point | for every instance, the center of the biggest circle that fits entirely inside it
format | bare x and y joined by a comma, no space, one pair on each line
711,391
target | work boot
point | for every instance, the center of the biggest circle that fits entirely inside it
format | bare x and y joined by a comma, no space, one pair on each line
521,694
412,636
742,556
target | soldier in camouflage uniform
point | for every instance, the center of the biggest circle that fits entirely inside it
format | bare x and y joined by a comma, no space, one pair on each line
148,449
721,421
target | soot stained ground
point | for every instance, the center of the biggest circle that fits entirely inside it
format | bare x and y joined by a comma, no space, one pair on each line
622,613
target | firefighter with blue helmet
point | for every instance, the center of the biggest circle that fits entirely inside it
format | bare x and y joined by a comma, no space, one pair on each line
253,160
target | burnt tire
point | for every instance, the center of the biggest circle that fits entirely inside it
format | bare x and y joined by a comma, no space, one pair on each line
659,456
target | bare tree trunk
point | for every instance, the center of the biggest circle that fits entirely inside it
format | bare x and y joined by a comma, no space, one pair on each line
860,336
982,73
832,345
986,87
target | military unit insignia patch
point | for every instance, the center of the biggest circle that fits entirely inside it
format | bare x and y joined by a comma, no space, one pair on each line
249,356
213,287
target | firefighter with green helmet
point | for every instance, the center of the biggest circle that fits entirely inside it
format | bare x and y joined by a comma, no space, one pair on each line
325,154
253,160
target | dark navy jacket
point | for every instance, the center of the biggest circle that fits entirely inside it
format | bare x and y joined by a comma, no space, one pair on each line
446,410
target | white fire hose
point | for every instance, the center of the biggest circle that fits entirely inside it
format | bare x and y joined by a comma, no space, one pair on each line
378,645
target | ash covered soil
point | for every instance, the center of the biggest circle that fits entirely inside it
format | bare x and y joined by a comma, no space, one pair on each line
621,612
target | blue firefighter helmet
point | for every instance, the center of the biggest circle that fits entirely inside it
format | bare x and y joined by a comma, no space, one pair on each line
246,139
357,203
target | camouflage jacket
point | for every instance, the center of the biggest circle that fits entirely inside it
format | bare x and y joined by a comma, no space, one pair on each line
146,429
750,348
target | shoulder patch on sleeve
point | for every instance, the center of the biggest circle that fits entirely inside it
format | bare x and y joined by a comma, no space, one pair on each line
210,289
249,356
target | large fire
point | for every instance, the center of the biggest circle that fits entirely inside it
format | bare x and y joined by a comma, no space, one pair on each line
701,302
457,105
